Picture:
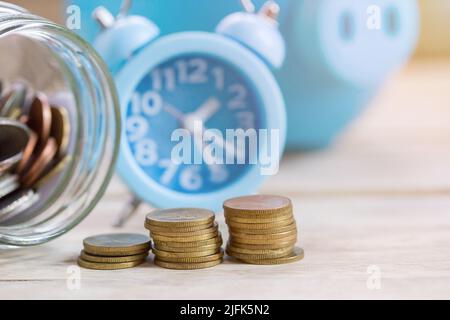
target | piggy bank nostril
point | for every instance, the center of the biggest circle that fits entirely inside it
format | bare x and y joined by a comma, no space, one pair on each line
392,21
347,26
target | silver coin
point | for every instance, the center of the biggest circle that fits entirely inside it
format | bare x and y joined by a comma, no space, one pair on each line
14,204
13,102
8,183
14,138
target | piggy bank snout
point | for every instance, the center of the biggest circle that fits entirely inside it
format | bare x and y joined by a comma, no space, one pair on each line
358,42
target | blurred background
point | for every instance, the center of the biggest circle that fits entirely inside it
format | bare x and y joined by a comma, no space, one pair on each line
398,145
434,36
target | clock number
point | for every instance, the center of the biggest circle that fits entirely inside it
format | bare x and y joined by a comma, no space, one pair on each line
146,152
150,103
157,84
137,128
171,82
190,178
193,71
200,70
170,171
246,119
239,95
183,74
163,78
219,77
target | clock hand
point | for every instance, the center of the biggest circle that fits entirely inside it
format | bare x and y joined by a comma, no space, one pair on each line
206,110
170,109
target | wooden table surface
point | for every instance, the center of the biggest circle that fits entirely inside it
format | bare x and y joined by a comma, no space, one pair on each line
372,209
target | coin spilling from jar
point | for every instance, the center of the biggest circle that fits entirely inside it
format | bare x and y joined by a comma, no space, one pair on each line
34,139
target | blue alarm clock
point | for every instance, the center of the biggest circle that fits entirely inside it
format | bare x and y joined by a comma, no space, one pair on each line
195,82
339,52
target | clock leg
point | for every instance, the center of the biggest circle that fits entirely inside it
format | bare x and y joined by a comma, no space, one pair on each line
127,212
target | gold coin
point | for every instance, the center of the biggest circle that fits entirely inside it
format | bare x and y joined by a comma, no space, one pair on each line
288,228
245,256
60,128
182,217
108,266
260,226
252,215
158,229
202,253
168,248
211,230
281,251
212,235
210,258
117,245
99,259
257,204
297,255
244,219
187,266
267,246
195,244
263,242
269,236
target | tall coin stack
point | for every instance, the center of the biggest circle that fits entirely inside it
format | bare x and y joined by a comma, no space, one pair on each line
185,239
34,138
262,230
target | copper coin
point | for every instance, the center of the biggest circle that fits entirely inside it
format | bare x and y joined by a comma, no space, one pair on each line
60,128
23,119
257,204
40,164
40,118
27,153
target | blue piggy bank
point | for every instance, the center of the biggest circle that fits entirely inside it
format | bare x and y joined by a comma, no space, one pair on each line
339,52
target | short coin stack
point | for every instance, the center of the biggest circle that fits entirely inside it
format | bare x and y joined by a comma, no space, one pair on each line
34,140
185,239
114,251
262,230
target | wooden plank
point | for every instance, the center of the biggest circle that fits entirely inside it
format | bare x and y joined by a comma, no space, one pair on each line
406,238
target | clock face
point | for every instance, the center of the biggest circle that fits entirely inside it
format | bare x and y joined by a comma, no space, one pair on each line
196,93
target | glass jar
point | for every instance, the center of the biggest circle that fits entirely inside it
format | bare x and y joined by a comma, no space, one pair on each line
53,60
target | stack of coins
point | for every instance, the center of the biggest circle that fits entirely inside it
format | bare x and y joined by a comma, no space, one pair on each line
262,230
185,239
40,158
114,251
